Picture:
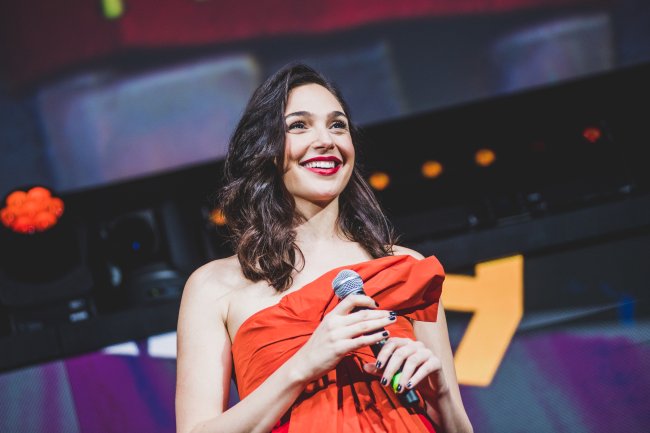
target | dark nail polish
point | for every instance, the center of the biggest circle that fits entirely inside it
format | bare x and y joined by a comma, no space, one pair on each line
392,313
392,317
399,388
376,304
409,385
378,365
384,381
385,333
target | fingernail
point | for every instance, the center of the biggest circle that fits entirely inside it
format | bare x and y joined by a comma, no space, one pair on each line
378,364
392,317
376,304
385,333
392,313
384,381
409,385
399,388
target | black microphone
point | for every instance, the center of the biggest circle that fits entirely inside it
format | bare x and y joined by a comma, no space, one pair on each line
348,282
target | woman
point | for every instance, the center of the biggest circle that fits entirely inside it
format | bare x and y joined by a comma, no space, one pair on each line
299,211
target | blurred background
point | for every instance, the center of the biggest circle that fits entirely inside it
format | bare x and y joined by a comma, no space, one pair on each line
505,137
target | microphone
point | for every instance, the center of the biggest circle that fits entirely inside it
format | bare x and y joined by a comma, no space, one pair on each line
348,282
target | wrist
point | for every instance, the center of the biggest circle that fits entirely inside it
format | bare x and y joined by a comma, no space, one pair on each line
438,383
296,372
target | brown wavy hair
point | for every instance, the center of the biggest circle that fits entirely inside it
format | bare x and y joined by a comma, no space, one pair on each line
260,212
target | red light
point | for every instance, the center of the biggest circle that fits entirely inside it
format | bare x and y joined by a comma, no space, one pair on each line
31,211
592,134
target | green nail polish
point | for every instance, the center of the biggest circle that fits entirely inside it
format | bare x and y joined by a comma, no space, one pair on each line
394,383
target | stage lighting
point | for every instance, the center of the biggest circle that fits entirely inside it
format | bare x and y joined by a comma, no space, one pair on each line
379,180
42,262
138,259
217,217
592,134
431,169
30,211
134,240
484,157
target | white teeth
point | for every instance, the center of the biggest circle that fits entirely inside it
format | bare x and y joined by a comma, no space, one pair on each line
321,164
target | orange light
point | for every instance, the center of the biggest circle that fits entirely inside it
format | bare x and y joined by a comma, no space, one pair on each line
379,180
484,157
592,134
31,211
16,199
431,169
217,217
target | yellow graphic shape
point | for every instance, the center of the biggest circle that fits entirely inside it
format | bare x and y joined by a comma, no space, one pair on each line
496,297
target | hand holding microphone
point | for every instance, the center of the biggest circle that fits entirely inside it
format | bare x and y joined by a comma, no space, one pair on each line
348,282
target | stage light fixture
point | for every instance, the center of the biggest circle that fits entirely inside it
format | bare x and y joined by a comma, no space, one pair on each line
35,210
138,258
379,180
431,169
484,157
592,134
42,262
134,240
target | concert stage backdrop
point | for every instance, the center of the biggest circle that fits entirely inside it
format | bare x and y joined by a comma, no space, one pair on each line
579,360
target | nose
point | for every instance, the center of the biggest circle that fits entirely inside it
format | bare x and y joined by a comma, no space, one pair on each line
323,138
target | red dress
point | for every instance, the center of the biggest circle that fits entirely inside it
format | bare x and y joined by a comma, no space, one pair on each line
346,399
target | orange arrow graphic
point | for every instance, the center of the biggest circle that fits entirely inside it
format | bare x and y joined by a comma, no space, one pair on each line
496,297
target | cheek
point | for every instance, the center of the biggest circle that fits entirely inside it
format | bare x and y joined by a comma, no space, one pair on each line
292,151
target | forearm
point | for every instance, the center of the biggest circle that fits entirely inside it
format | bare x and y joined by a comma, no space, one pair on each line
446,409
261,409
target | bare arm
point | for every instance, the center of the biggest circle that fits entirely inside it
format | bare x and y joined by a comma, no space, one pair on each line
204,360
439,385
444,404
204,368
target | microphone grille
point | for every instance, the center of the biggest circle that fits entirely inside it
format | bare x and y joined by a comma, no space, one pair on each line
346,283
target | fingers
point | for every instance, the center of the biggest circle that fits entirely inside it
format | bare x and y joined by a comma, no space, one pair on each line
366,322
414,359
371,369
396,361
353,301
425,369
365,340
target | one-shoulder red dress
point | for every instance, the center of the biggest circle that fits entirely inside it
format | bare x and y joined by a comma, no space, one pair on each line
346,399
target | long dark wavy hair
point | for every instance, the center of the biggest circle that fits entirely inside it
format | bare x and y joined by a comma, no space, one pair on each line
260,212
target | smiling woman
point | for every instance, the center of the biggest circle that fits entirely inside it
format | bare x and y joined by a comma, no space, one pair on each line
295,116
299,211
319,155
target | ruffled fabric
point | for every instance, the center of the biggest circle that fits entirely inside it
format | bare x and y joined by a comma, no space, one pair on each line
346,399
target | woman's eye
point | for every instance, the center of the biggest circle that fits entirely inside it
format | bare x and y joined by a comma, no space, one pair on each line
297,125
339,124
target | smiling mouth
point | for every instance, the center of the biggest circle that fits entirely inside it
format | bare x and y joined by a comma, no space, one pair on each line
325,167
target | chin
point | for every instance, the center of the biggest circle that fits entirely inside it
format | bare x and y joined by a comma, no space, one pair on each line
319,199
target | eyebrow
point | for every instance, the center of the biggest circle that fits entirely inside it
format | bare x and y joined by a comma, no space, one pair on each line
308,114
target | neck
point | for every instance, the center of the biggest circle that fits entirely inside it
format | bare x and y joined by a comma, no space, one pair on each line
320,222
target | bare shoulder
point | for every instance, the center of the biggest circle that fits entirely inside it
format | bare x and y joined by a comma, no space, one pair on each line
211,285
403,251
